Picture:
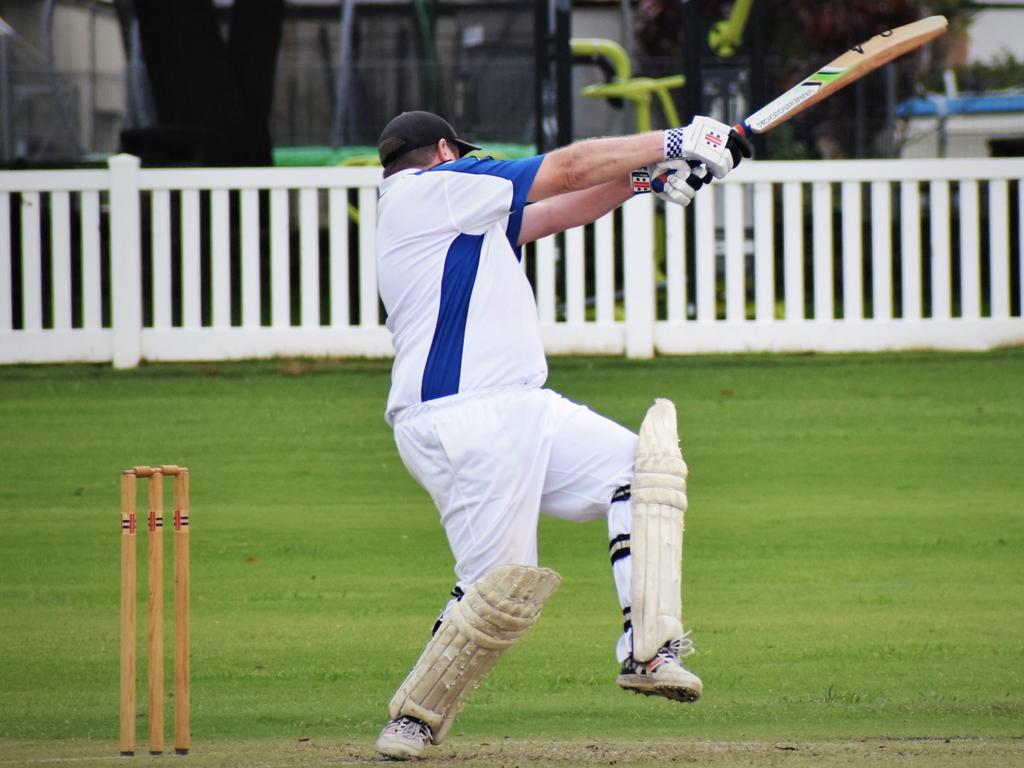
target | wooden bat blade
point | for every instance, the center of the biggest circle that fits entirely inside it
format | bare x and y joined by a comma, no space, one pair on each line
840,72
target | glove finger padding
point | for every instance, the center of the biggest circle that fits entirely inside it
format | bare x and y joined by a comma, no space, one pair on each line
670,183
700,172
739,146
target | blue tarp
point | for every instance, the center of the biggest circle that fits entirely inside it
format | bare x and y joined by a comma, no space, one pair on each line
964,104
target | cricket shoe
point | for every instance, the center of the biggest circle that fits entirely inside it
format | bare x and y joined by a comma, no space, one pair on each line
663,675
404,737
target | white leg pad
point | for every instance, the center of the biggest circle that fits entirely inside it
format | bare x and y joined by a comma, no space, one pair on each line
494,613
659,503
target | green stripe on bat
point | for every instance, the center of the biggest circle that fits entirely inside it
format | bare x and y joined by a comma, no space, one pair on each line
824,76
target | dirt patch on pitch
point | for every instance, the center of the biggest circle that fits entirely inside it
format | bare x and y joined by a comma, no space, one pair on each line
870,753
920,754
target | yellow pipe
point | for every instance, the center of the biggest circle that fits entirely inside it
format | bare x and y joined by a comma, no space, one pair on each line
639,91
725,36
609,49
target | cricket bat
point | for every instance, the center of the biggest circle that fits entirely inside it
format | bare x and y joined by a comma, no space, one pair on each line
840,72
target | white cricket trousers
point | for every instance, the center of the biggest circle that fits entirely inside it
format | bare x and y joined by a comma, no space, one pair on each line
493,461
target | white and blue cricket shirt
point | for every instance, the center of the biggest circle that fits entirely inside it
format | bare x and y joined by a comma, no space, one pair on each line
460,310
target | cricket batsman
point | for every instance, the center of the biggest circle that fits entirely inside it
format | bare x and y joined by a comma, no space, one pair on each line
475,426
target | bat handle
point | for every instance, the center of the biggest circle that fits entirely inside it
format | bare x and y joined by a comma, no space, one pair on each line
743,130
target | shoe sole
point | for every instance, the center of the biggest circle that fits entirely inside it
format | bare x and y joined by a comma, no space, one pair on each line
645,687
394,749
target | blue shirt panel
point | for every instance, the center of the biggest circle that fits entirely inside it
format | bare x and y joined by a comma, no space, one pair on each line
443,368
520,172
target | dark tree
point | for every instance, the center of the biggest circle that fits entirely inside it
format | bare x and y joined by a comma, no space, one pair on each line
212,96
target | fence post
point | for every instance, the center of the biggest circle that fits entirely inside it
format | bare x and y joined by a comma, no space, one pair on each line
125,261
638,275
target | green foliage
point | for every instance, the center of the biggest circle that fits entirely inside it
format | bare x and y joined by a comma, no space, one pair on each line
787,145
852,565
1004,71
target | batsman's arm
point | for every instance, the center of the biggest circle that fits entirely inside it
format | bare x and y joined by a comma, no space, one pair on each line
572,209
592,162
589,163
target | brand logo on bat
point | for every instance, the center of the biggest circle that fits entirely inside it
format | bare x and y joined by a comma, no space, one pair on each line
771,116
792,98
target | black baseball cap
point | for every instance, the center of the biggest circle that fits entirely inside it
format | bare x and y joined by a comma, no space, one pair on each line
412,130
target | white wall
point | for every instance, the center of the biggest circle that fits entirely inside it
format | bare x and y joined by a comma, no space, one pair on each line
994,31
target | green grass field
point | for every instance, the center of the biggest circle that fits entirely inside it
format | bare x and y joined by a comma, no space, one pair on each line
854,562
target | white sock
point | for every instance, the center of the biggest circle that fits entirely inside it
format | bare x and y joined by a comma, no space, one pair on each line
620,524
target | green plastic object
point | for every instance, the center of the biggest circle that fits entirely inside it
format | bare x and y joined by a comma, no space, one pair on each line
317,156
725,36
608,49
640,91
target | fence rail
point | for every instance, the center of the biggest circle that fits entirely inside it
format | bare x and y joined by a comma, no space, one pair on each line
128,264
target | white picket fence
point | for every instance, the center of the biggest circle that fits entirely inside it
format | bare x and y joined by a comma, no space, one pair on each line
125,264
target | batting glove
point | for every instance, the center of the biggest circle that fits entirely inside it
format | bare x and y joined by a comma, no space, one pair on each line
674,181
705,140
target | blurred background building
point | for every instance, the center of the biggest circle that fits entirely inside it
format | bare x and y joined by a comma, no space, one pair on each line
62,80
76,76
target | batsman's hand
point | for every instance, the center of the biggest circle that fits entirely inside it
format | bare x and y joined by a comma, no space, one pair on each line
675,181
705,140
